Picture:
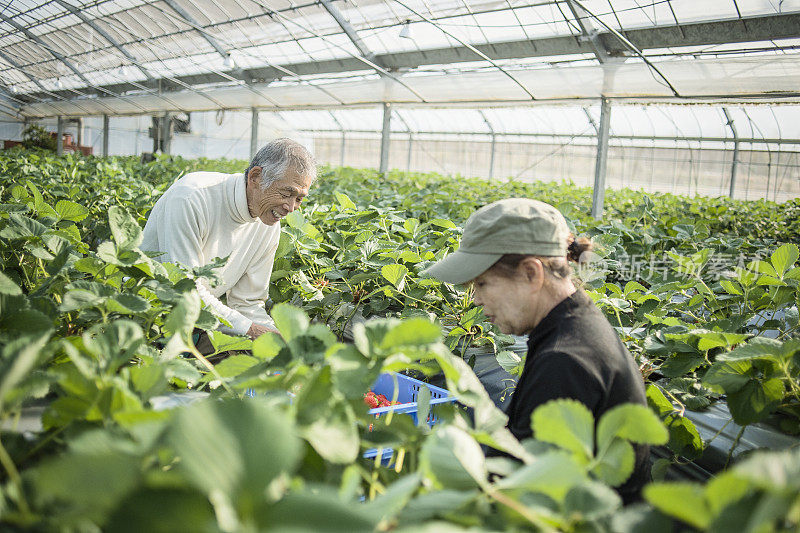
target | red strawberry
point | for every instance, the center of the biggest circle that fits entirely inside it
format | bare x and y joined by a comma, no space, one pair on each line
371,400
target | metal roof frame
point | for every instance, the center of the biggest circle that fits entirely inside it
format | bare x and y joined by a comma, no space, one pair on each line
756,29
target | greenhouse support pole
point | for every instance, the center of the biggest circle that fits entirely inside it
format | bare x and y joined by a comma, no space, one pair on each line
735,162
491,157
79,132
167,135
598,195
385,137
734,168
106,121
253,132
60,136
341,149
410,151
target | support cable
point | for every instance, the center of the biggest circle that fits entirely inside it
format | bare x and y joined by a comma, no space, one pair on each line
470,47
361,58
36,81
632,48
113,42
65,61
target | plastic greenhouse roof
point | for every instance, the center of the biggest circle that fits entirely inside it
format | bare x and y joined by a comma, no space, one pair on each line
759,123
123,57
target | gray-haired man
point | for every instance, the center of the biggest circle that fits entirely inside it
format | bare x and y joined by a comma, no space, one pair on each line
205,215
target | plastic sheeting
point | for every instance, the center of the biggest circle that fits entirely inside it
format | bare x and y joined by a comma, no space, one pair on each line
737,78
57,52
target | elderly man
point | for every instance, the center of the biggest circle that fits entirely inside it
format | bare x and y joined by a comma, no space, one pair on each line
205,215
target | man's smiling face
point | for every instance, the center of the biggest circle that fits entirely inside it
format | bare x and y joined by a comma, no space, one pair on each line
279,199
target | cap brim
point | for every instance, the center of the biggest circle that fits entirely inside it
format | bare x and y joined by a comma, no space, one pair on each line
461,267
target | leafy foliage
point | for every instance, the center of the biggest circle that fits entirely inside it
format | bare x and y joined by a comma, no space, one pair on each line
96,332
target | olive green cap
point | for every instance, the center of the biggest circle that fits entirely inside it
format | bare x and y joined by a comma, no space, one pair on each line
512,226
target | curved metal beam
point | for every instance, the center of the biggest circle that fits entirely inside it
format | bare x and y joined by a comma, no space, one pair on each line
783,26
20,68
44,45
105,35
470,47
350,31
358,57
193,23
61,58
8,59
631,47
588,31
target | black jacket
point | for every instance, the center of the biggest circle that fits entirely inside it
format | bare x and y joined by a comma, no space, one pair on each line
575,353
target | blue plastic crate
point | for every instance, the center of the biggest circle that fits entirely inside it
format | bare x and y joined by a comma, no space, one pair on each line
407,391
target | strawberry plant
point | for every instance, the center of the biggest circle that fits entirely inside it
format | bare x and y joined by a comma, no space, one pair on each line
95,334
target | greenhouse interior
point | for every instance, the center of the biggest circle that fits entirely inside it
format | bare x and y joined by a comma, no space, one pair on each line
400,265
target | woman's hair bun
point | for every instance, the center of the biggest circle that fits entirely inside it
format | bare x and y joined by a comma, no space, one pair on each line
577,246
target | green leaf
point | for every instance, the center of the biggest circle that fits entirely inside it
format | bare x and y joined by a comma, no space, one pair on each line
615,462
7,286
284,246
149,380
452,459
658,401
69,210
684,438
234,365
442,223
511,362
221,447
632,422
295,219
21,227
591,500
761,348
680,364
724,489
183,316
641,519
90,484
344,201
565,423
267,346
395,274
551,473
162,510
224,343
762,267
83,295
726,377
772,470
128,304
19,357
114,343
334,437
437,503
423,405
755,400
320,510
684,501
717,339
730,288
291,321
127,233
411,332
784,258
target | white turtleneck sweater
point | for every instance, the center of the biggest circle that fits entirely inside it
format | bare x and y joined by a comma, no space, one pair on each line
204,215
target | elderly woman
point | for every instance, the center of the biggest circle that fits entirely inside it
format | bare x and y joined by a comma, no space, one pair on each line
515,253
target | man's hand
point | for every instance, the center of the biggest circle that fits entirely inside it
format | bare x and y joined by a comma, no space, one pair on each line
256,330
